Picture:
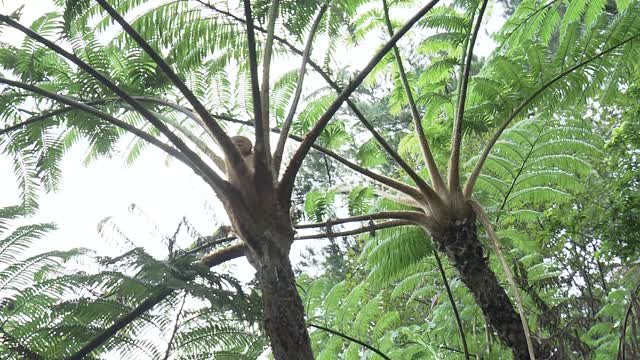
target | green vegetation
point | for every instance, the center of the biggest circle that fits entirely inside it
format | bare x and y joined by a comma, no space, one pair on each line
406,167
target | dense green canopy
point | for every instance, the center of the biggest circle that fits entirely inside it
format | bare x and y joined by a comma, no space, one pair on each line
532,130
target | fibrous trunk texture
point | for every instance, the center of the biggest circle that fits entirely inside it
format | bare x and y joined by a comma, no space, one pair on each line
283,309
459,241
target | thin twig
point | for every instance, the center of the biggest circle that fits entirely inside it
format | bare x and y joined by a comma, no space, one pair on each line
361,230
176,327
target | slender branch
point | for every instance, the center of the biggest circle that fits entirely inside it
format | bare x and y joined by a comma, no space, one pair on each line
198,142
128,318
231,153
290,173
432,167
387,181
176,327
207,245
370,228
193,138
262,167
347,337
468,188
623,332
452,301
266,69
399,198
456,136
218,184
414,216
484,220
210,260
73,104
286,126
224,255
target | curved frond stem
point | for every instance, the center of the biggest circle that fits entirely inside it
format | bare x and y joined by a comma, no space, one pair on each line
414,216
261,146
452,301
266,69
288,178
430,162
216,181
231,153
354,340
621,355
121,323
398,198
519,173
286,126
179,108
76,105
484,220
207,245
176,327
194,139
515,29
362,230
210,260
456,136
406,189
468,188
15,346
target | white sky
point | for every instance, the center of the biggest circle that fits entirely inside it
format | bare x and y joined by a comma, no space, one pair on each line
107,188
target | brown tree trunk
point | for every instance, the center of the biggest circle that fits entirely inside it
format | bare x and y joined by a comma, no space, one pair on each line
265,228
459,241
283,309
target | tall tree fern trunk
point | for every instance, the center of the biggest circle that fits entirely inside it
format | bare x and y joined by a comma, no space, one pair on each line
283,309
265,227
459,241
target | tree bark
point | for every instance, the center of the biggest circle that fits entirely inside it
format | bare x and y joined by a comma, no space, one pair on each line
265,227
283,309
459,241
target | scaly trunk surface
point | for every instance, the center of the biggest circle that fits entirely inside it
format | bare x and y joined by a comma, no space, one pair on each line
459,241
265,227
283,309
